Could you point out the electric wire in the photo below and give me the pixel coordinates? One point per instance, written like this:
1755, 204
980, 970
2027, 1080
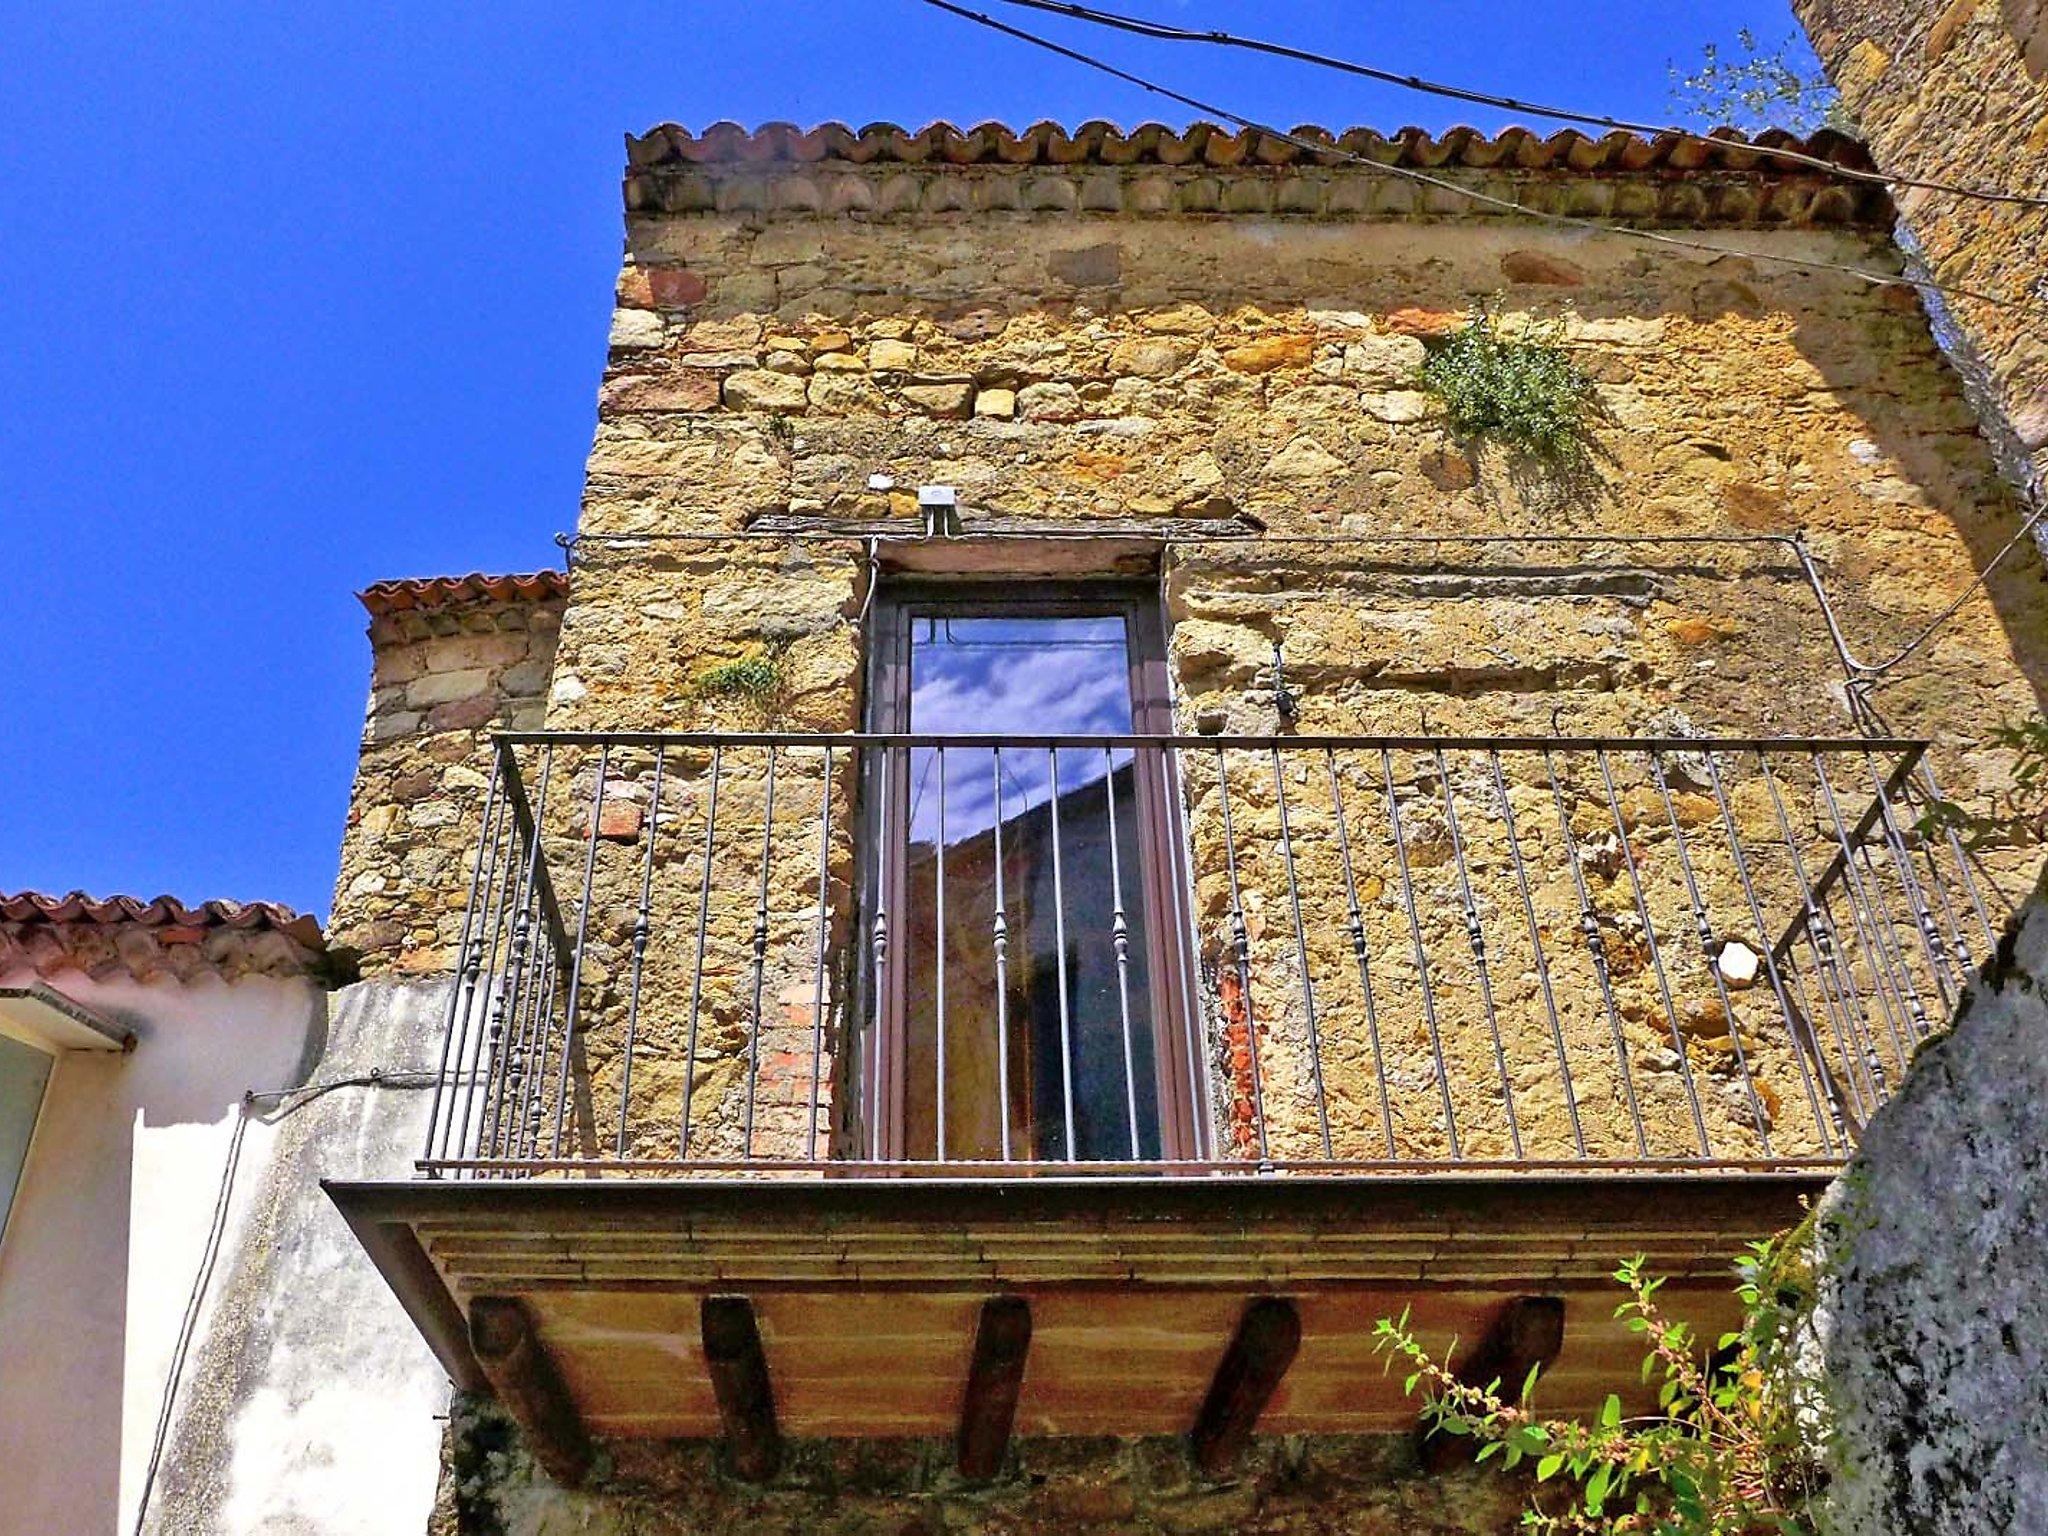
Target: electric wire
292, 1100
1326, 151
1166, 32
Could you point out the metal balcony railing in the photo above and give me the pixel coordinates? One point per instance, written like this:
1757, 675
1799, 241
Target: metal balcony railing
807, 954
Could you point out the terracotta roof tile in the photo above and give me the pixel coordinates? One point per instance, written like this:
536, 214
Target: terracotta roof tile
389, 597
1207, 144
49, 934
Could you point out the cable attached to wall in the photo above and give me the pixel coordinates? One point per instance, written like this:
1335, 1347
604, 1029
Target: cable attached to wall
292, 1101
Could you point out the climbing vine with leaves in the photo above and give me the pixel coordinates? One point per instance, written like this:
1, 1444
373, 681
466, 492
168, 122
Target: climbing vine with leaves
1733, 1448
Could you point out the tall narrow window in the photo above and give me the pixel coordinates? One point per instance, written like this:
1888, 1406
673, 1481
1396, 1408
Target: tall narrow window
1034, 1008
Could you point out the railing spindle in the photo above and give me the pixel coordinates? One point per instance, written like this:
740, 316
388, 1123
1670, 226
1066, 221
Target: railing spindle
697, 969
1514, 841
1059, 928
760, 957
642, 933
1475, 933
1240, 944
1354, 924
1120, 943
1429, 1019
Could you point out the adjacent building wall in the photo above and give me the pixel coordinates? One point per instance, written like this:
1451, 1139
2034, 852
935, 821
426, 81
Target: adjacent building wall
1957, 92
168, 1242
452, 660
1930, 1298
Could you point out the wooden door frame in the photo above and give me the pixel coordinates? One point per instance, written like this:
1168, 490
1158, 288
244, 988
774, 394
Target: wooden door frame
1158, 838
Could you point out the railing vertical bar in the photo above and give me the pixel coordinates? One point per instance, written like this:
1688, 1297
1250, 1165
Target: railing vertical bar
1564, 1066
1475, 933
1710, 951
697, 968
818, 959
939, 971
604, 767
1354, 923
468, 963
1962, 859
1883, 919
642, 934
1177, 802
1308, 991
999, 940
1596, 950
1436, 1043
1931, 943
1897, 953
1909, 1009
1628, 862
1059, 926
1801, 1047
1240, 943
509, 1050
1120, 943
524, 1133
508, 1013
1956, 949
760, 955
533, 1063
496, 900
874, 1104
1820, 932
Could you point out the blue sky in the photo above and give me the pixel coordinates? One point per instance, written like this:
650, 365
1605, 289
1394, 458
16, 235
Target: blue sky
295, 298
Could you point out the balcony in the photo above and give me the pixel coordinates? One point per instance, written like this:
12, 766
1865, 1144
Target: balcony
796, 1070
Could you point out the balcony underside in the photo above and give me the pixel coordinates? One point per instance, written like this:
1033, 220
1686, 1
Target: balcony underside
868, 1292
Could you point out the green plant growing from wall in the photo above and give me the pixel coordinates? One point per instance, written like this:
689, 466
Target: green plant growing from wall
756, 683
1521, 391
2016, 817
1732, 1450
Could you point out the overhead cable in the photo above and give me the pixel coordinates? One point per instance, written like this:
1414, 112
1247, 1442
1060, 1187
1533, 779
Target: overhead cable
1506, 204
1165, 32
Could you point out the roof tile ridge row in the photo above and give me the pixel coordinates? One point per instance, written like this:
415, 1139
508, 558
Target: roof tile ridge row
1212, 146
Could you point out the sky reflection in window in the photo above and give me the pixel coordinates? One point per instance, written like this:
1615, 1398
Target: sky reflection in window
1042, 676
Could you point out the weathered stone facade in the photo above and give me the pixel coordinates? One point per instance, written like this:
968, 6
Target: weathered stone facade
1347, 1484
453, 660
1195, 378
1958, 93
1214, 368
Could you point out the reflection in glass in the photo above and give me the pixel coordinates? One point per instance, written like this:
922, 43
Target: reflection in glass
1051, 1019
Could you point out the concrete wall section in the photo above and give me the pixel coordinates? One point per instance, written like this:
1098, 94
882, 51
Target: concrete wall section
1932, 1306
168, 1234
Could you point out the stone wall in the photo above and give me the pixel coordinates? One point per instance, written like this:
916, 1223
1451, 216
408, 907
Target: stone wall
452, 661
1930, 1298
1201, 379
1958, 93
1180, 380
1360, 1485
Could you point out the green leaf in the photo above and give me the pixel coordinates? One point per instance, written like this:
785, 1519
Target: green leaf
1546, 1469
1596, 1487
1610, 1412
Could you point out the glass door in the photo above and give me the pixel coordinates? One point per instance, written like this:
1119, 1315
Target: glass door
1030, 1002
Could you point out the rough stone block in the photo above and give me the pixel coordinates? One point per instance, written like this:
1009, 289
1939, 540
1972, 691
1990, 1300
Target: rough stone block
442, 687
758, 389
635, 330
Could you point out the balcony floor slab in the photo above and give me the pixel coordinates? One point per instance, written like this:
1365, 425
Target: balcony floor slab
867, 1291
